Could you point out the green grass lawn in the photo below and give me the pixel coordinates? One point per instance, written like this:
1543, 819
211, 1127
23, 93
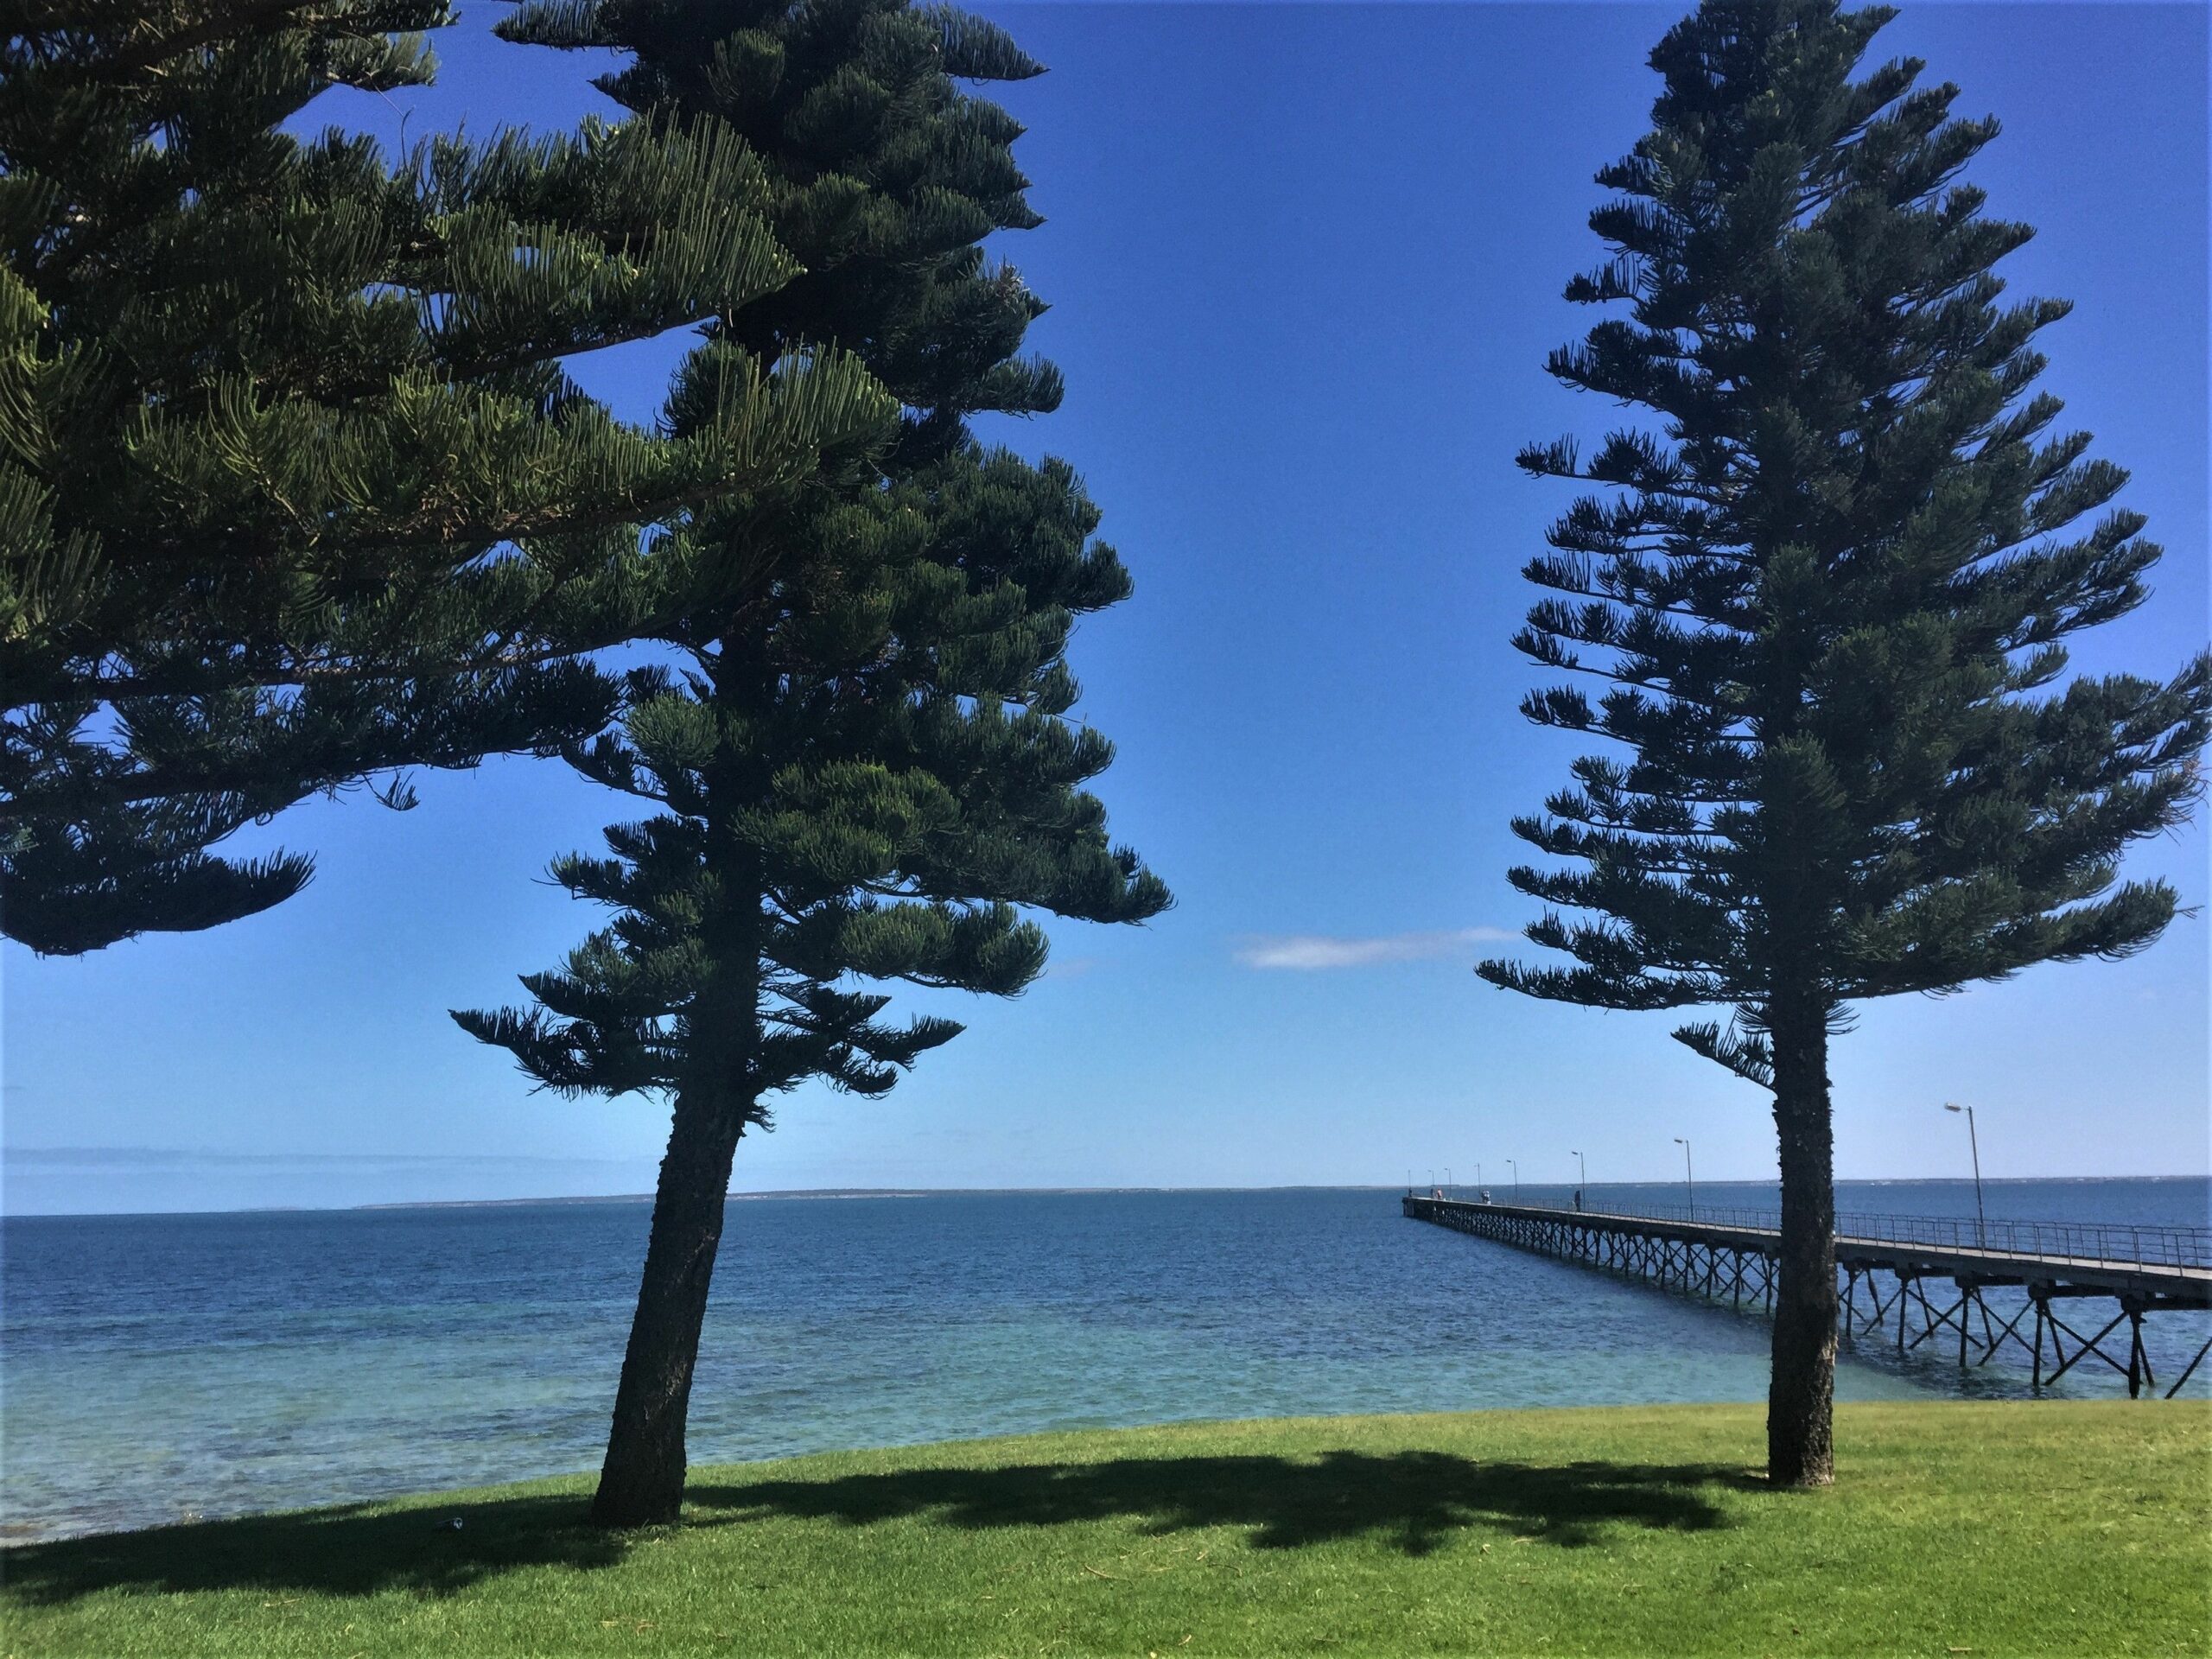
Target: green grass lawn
1954, 1529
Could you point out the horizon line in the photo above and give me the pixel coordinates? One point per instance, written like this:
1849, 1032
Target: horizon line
855, 1192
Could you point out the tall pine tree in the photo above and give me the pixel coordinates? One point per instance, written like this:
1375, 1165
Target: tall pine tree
293, 487
860, 766
1829, 588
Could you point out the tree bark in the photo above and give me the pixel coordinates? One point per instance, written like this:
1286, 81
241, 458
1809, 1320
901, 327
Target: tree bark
1800, 1393
641, 1482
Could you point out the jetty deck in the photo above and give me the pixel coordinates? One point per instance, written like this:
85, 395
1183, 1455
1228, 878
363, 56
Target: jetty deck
1885, 1265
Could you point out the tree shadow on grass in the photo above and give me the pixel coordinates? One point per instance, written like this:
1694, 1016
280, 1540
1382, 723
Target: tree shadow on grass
1415, 1500
345, 1551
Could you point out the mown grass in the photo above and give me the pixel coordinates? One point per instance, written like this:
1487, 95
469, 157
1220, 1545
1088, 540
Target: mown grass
1954, 1529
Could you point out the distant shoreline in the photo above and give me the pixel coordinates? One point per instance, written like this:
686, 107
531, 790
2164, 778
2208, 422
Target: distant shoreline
1295, 1187
814, 1193
850, 1192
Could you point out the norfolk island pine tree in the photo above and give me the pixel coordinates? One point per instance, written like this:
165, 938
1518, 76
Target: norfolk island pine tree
1829, 592
862, 759
294, 489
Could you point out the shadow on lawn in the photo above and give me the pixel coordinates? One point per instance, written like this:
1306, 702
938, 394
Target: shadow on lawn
337, 1552
1415, 1499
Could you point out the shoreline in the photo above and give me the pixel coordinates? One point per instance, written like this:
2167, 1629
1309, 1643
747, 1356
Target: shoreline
14, 1535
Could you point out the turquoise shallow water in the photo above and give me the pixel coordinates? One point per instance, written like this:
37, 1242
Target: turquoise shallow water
160, 1366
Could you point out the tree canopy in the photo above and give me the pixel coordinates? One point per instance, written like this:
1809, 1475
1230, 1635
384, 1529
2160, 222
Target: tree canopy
294, 487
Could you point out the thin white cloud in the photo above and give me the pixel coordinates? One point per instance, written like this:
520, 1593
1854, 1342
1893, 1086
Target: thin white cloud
1311, 952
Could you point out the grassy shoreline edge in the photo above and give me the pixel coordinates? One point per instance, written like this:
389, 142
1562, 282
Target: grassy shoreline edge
1957, 1527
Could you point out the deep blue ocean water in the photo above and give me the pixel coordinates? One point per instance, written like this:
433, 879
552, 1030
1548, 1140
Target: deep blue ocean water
158, 1367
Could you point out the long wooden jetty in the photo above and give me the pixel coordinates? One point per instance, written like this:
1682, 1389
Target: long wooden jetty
1885, 1265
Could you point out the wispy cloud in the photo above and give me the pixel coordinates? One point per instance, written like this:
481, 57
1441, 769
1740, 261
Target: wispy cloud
1310, 952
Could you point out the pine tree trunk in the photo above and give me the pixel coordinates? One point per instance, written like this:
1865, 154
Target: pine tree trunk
641, 1482
1800, 1394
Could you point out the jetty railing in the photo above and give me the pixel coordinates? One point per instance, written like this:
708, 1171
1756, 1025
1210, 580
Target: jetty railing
2115, 1242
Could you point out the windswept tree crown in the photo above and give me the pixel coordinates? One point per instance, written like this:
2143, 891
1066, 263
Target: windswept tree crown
860, 755
293, 487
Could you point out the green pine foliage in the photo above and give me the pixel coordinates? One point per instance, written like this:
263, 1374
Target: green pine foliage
859, 759
869, 780
884, 177
863, 758
1827, 587
294, 489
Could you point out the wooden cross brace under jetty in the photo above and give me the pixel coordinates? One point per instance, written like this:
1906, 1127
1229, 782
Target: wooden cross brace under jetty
1885, 1265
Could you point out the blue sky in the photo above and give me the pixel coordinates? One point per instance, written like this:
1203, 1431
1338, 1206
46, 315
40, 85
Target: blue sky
1305, 264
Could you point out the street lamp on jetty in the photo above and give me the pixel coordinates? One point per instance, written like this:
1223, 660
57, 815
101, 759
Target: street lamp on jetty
1981, 1222
1516, 1168
1582, 1178
1689, 1175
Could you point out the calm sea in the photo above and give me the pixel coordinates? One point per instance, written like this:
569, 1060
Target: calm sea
158, 1367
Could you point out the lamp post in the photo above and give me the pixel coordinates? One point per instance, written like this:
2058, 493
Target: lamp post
1516, 1168
1689, 1175
1447, 1180
1973, 1142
